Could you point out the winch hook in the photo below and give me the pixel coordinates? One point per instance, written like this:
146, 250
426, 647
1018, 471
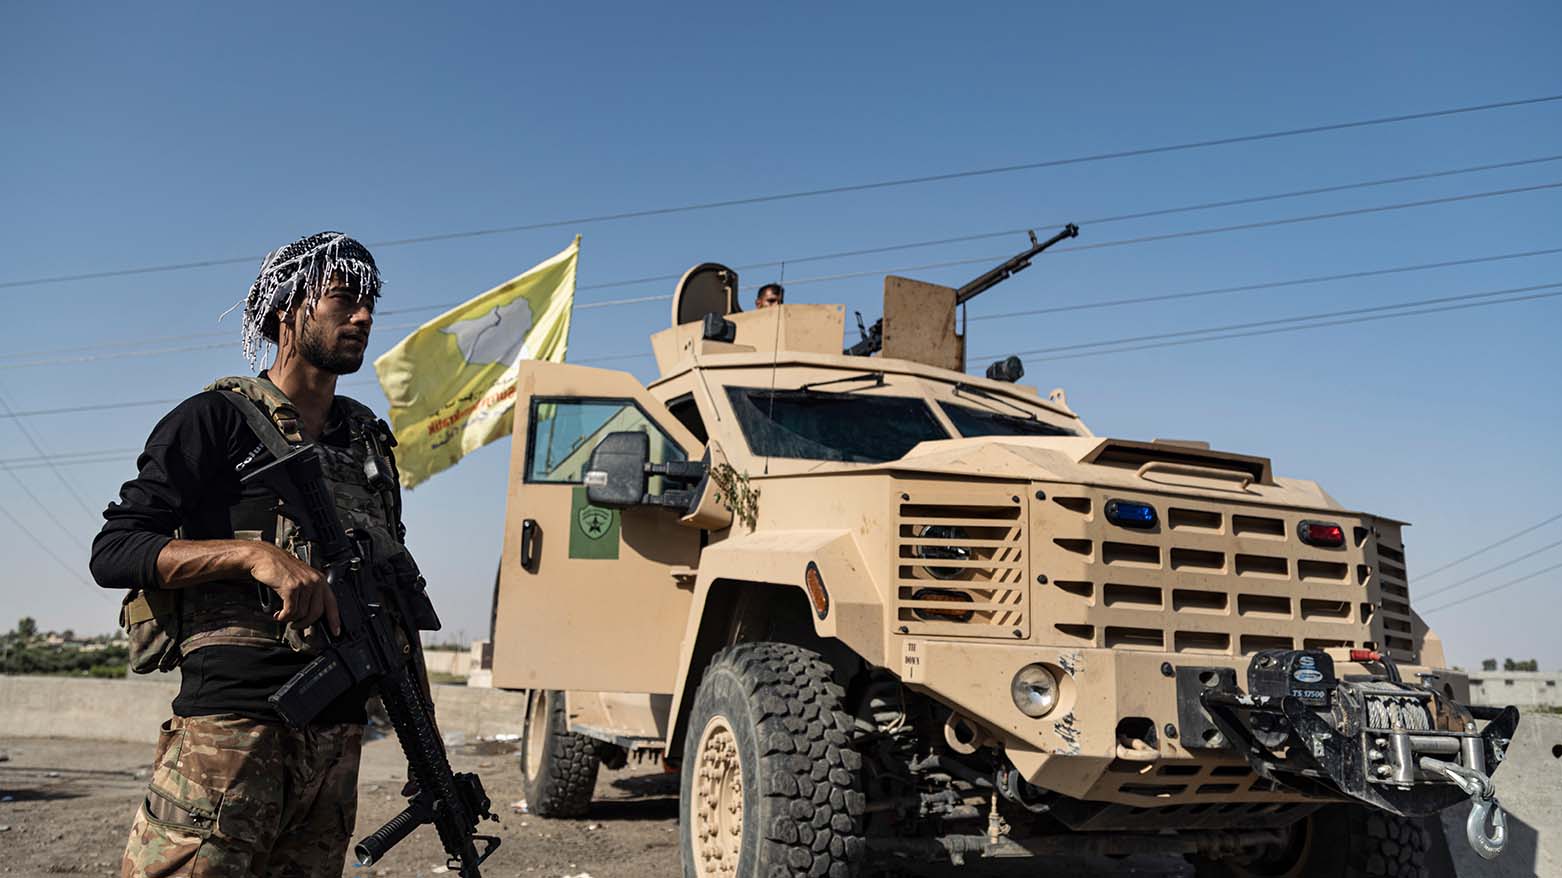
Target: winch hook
1487, 826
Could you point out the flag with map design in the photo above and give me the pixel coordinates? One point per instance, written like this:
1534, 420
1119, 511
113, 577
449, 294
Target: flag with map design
451, 383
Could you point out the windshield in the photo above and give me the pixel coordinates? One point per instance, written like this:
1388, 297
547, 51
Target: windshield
977, 422
815, 425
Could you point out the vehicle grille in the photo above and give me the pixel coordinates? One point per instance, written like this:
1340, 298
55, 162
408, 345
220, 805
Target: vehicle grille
1213, 579
961, 562
1394, 588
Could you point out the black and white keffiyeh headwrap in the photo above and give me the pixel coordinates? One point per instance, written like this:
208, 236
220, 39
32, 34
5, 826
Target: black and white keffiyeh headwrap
297, 274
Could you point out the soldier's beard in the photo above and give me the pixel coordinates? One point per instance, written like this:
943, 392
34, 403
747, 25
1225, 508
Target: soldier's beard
319, 349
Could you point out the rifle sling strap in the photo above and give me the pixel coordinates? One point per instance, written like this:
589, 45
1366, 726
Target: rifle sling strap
263, 427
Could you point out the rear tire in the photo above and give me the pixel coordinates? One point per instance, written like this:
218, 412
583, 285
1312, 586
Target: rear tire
1339, 841
558, 769
771, 786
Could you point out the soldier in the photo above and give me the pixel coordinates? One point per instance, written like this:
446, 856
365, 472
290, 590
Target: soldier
769, 294
218, 589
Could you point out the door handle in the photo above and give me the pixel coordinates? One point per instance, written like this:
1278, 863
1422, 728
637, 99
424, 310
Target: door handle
530, 536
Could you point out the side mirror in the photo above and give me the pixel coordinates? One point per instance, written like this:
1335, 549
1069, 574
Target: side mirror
616, 476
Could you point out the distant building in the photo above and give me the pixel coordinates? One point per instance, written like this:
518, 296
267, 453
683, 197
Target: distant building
1519, 688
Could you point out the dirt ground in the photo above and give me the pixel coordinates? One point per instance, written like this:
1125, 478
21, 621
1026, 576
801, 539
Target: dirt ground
66, 805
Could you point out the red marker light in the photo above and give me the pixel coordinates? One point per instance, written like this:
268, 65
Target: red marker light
1364, 655
1321, 533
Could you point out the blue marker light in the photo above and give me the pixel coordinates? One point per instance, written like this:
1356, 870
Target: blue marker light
1126, 513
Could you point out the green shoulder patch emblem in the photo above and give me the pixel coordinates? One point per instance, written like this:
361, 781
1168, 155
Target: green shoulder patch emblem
593, 531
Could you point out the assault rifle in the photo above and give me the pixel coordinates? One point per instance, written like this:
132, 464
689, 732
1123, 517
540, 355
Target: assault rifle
377, 648
873, 337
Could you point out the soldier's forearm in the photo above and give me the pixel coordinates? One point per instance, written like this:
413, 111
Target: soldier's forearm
183, 563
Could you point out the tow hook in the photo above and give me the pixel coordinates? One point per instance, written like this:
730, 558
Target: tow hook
1487, 840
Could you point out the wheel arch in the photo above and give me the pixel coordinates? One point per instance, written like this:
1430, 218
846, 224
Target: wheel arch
744, 611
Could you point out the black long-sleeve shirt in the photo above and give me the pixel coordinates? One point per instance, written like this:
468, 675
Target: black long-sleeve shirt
189, 478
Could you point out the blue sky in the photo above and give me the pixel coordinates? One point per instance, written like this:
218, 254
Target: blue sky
145, 136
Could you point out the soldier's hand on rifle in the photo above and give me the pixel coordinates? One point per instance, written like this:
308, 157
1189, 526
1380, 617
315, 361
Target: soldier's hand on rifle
304, 592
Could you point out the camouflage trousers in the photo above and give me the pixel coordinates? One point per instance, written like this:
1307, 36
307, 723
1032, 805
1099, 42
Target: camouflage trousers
231, 796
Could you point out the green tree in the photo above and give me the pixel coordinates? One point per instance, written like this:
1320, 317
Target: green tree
27, 628
1488, 664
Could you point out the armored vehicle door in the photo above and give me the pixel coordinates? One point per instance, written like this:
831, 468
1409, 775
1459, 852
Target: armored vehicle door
589, 598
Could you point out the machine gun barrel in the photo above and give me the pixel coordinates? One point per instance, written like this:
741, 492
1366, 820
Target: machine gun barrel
1012, 267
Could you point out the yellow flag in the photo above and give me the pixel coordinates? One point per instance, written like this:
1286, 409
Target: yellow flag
451, 383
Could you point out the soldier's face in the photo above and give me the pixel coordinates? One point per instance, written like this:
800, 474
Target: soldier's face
336, 335
767, 298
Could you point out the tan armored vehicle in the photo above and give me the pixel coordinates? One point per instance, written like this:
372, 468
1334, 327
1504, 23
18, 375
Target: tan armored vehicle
875, 611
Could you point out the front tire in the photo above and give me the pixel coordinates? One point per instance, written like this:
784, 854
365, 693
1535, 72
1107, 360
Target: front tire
771, 786
1339, 841
558, 769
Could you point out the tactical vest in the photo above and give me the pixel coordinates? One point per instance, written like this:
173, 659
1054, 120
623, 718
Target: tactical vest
166, 625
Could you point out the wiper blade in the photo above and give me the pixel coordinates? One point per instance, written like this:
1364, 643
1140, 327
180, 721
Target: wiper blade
993, 397
876, 377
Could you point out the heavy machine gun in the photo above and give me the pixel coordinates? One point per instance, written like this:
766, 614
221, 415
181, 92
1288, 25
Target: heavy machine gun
873, 337
377, 648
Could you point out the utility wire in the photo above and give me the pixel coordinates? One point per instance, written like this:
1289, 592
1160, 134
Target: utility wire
912, 245
90, 408
1158, 297
837, 190
5, 408
1193, 233
43, 507
22, 529
1484, 549
1306, 326
1267, 285
1510, 583
66, 455
89, 358
1503, 566
960, 239
1279, 321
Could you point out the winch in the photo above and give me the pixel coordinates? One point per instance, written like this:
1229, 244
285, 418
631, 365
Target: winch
1400, 746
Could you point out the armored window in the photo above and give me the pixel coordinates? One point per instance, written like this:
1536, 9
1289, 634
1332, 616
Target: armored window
976, 422
816, 425
687, 412
563, 431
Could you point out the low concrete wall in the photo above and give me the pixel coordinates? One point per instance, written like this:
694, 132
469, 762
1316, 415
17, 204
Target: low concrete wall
132, 710
77, 707
1519, 688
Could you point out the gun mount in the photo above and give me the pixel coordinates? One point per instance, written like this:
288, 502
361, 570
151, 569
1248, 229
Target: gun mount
919, 318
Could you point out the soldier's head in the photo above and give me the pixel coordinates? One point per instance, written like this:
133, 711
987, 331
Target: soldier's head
314, 298
769, 294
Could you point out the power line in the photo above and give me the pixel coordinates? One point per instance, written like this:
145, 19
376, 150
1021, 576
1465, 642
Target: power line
1267, 285
1279, 321
836, 190
1484, 549
89, 408
66, 455
911, 245
80, 461
22, 528
1490, 570
1215, 230
89, 358
5, 408
1510, 583
1096, 221
48, 513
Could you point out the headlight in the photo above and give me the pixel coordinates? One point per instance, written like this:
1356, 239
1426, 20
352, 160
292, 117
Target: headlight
943, 553
1035, 690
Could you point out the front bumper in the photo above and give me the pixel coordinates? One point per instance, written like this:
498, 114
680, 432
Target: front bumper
1079, 749
1383, 742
